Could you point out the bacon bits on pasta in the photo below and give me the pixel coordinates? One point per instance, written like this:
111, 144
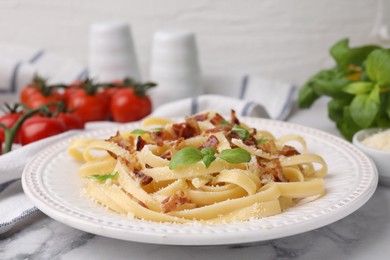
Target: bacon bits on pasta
205, 168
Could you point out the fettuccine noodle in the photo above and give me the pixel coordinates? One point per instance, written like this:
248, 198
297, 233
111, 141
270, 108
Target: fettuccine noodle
203, 169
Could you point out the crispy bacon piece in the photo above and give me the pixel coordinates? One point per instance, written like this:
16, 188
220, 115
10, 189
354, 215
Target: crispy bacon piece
234, 120
250, 141
217, 119
173, 201
142, 177
188, 129
200, 117
140, 143
221, 128
272, 167
212, 142
269, 147
120, 141
288, 150
167, 155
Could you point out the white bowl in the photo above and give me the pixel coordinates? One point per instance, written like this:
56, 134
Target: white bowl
381, 158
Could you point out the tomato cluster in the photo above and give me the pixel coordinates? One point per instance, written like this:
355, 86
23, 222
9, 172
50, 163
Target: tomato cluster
24, 126
50, 110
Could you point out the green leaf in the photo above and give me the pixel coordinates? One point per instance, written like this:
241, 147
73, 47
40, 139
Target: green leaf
307, 93
241, 132
378, 66
157, 129
224, 123
345, 56
383, 121
365, 107
208, 156
104, 177
138, 132
208, 159
357, 88
388, 106
208, 151
262, 140
234, 156
336, 108
307, 96
331, 87
185, 156
347, 126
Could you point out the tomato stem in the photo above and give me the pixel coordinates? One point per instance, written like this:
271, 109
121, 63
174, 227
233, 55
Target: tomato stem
11, 132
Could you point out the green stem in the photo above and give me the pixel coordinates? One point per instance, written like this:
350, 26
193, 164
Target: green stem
11, 132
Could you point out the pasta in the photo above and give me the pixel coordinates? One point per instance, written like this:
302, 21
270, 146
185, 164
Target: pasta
205, 168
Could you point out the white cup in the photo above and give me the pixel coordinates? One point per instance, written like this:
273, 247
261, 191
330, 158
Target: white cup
111, 52
174, 66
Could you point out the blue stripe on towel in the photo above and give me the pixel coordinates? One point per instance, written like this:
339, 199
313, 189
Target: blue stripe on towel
4, 185
22, 216
14, 77
245, 110
244, 86
83, 74
194, 105
36, 56
286, 107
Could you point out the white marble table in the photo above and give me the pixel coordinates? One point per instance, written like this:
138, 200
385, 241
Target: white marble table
365, 234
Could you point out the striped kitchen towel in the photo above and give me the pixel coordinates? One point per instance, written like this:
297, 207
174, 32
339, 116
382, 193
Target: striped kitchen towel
248, 95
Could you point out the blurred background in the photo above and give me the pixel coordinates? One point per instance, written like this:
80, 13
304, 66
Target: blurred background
286, 40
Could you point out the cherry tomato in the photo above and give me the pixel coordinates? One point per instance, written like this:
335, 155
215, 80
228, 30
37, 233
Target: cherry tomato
94, 107
126, 106
9, 120
38, 99
71, 121
27, 92
71, 89
38, 127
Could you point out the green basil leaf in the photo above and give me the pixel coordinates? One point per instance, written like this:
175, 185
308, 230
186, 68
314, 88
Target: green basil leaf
347, 126
336, 108
331, 87
208, 159
383, 121
208, 151
185, 156
241, 132
103, 177
224, 123
357, 88
262, 140
345, 56
364, 109
378, 66
157, 129
307, 95
234, 156
388, 105
138, 132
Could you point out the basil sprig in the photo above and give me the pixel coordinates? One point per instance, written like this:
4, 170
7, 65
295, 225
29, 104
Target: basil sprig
191, 155
241, 132
103, 177
139, 132
359, 87
263, 140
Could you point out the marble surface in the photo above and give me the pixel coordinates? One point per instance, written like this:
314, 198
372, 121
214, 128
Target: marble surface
362, 235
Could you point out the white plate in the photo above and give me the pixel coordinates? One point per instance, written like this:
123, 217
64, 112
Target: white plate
51, 182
